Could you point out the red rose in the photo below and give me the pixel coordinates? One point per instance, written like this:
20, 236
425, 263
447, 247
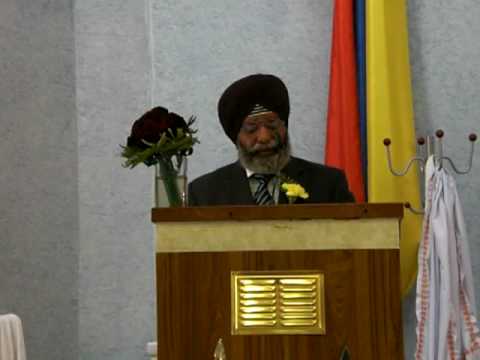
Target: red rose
152, 125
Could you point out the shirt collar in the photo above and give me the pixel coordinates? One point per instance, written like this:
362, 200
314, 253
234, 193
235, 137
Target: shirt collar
250, 173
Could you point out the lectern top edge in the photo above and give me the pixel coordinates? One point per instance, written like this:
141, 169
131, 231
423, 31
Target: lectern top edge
279, 212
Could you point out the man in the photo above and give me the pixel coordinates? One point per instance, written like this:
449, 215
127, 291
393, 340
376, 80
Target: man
254, 114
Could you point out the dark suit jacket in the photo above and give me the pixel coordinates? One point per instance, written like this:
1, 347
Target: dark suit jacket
229, 185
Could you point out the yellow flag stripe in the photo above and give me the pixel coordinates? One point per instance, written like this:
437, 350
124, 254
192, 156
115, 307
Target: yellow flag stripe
390, 115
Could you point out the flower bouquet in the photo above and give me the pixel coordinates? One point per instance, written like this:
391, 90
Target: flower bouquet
163, 139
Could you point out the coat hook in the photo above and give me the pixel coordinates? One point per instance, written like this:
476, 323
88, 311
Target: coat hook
434, 148
387, 142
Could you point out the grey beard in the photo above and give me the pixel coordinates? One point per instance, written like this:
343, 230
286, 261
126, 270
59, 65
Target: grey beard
271, 164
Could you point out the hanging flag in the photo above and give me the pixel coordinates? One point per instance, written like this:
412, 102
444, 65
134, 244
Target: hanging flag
343, 149
390, 115
445, 306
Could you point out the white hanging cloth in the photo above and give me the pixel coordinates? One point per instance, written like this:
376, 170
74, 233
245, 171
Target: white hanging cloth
445, 304
12, 345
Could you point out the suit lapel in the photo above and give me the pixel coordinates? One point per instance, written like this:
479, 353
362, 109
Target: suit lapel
293, 171
238, 186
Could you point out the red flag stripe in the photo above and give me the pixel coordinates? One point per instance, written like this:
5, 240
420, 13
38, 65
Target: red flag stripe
343, 149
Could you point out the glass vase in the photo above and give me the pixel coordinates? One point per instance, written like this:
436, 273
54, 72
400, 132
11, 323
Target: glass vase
171, 182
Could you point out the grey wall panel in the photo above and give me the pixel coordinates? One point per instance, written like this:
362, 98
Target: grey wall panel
202, 47
116, 253
38, 162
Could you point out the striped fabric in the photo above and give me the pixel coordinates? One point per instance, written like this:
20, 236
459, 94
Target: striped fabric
447, 328
262, 196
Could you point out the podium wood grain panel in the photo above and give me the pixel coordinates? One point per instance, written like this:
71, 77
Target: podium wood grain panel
362, 298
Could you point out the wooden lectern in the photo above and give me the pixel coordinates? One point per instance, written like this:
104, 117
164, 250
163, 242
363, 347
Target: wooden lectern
303, 282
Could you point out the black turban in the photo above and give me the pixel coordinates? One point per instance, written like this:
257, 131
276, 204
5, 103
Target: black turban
238, 100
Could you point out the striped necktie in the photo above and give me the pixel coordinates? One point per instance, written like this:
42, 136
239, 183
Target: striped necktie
262, 196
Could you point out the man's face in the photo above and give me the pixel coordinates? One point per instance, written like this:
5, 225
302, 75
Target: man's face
263, 143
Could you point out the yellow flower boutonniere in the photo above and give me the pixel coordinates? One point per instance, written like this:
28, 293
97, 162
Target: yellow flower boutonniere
294, 190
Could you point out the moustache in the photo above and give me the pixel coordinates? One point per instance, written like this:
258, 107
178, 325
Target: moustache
259, 148
275, 146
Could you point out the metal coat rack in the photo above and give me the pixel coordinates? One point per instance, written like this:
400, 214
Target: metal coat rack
431, 146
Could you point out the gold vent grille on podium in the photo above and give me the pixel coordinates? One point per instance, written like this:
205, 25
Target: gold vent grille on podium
277, 303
